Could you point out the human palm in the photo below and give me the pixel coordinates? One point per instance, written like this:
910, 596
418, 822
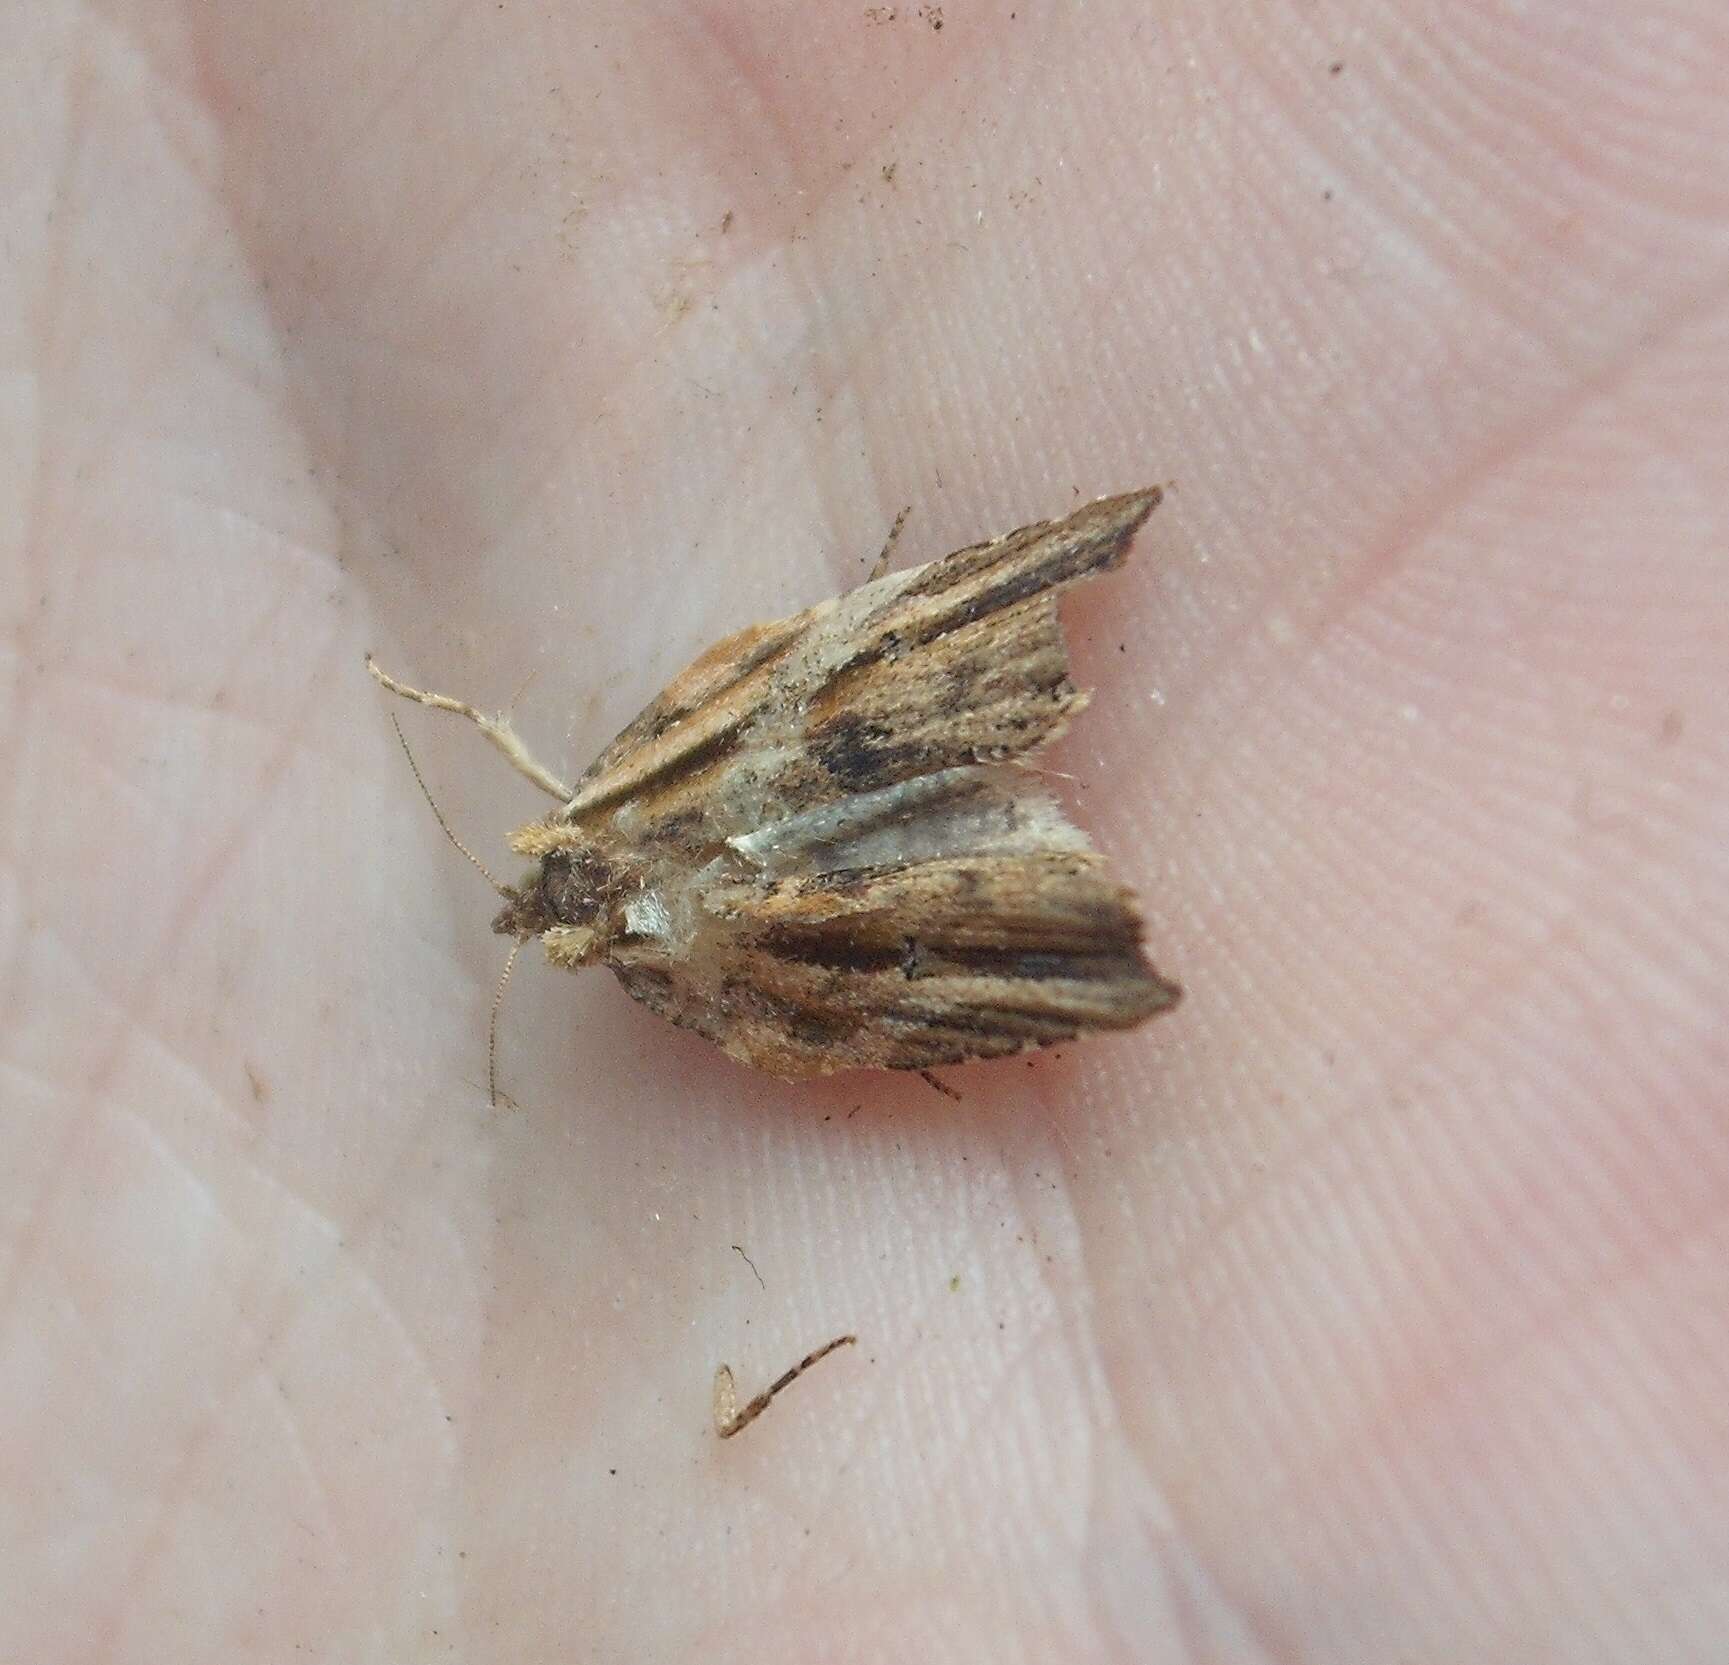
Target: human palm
1368, 1307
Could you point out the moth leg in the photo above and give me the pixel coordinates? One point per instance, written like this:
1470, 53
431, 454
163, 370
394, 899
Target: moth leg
496, 729
882, 561
730, 1417
941, 1086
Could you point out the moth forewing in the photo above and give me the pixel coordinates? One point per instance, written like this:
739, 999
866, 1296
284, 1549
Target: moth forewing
815, 846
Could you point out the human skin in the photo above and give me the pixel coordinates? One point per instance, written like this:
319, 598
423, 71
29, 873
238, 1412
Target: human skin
1369, 1307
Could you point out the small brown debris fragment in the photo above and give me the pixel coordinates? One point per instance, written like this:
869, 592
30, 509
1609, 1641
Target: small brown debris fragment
738, 1250
729, 1418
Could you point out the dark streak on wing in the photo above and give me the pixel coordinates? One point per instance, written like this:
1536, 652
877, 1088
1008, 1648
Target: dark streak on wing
919, 957
990, 576
713, 676
861, 755
960, 662
703, 715
1018, 1024
830, 950
966, 664
1021, 965
927, 963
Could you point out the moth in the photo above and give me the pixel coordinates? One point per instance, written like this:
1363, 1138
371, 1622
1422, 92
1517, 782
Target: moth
823, 845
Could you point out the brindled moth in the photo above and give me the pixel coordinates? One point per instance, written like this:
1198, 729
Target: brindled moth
821, 845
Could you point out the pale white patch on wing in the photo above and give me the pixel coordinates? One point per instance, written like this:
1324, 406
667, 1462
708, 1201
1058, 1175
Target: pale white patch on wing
955, 812
645, 915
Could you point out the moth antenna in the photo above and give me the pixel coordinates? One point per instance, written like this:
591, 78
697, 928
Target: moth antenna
444, 825
496, 729
729, 1417
492, 1025
882, 561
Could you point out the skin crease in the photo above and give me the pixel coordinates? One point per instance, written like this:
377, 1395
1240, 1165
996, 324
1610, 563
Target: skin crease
1368, 1307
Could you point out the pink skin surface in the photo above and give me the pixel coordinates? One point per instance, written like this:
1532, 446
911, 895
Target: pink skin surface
1369, 1308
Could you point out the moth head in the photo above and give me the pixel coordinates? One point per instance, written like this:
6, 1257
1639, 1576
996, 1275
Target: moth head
562, 892
524, 912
